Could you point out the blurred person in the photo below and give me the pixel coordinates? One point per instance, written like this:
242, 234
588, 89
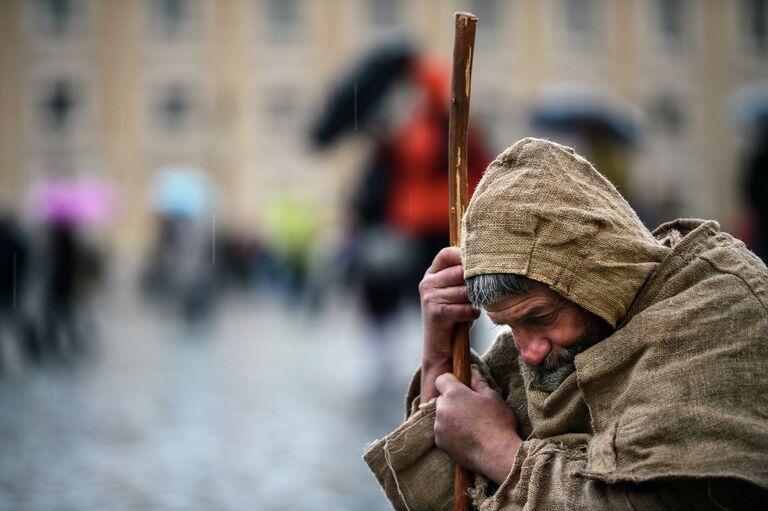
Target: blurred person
240, 254
631, 376
156, 275
382, 265
756, 187
72, 266
73, 271
180, 265
398, 98
15, 319
193, 276
292, 230
178, 270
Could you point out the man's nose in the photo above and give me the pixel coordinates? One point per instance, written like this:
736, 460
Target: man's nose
533, 348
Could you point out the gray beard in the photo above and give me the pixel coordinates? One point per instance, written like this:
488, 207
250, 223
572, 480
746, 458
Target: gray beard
549, 378
554, 369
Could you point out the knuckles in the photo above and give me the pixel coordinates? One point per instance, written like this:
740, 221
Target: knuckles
444, 418
425, 285
442, 380
448, 255
437, 313
449, 392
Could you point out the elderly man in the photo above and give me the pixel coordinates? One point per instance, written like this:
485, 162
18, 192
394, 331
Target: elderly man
633, 374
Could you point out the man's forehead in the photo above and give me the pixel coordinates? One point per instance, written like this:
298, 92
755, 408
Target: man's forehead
539, 296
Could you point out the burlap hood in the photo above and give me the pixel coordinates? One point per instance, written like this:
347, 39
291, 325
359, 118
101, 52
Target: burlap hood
675, 395
544, 212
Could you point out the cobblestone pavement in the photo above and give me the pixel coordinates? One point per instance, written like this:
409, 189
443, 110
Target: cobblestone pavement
265, 411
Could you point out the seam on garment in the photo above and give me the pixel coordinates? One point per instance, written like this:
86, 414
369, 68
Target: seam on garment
530, 252
741, 278
388, 461
388, 449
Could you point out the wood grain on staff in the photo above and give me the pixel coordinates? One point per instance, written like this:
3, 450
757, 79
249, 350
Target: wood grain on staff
458, 130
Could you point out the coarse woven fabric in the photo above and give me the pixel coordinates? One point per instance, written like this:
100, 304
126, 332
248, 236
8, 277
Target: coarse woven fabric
666, 413
544, 212
669, 412
679, 389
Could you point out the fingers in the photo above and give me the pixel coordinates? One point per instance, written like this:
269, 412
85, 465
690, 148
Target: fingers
451, 294
443, 283
438, 290
449, 256
445, 381
479, 384
447, 277
452, 313
448, 385
444, 303
464, 313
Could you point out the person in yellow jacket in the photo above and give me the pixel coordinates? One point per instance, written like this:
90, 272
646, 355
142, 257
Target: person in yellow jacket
633, 372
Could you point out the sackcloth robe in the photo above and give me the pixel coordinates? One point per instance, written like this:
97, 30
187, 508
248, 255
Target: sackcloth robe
668, 412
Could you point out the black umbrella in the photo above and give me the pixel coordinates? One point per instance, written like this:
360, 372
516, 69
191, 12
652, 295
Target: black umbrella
360, 92
748, 106
579, 113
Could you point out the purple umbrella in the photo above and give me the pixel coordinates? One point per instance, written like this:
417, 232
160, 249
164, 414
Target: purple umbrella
74, 201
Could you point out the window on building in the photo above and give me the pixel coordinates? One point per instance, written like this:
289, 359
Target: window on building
281, 107
668, 115
754, 25
174, 19
59, 18
488, 13
384, 15
59, 105
284, 19
671, 20
173, 108
172, 15
580, 18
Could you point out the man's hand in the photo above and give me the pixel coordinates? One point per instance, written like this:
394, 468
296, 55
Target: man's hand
443, 304
475, 427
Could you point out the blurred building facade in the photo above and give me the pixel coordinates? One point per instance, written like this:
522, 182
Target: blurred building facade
120, 89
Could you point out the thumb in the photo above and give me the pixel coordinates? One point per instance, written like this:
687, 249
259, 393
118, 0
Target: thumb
479, 384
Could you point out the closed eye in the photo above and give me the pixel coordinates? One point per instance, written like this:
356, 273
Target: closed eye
542, 319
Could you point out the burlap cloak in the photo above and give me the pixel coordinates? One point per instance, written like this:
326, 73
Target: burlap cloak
668, 412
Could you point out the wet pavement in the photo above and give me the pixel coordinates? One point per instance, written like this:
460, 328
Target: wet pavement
265, 410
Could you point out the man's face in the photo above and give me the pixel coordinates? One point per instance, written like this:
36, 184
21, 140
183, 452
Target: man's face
549, 331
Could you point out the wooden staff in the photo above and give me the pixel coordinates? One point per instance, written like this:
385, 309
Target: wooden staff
458, 129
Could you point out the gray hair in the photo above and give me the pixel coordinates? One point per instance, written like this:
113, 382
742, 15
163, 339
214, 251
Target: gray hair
491, 288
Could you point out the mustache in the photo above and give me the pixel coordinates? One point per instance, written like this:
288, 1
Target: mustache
556, 367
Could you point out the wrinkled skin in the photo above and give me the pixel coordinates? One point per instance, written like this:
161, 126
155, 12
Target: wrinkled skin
474, 426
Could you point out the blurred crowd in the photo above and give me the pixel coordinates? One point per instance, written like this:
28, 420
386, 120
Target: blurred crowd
55, 261
394, 101
47, 276
250, 174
